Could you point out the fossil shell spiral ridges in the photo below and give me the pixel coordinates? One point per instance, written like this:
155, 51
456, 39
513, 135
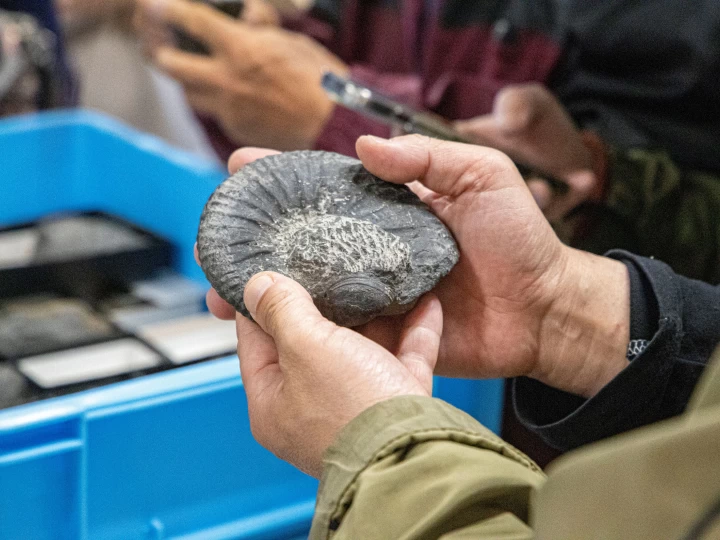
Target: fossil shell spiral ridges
362, 247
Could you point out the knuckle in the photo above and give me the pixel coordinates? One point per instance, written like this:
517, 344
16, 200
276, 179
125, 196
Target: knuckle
204, 15
274, 305
493, 161
529, 97
529, 91
490, 165
326, 334
312, 337
421, 140
534, 88
302, 41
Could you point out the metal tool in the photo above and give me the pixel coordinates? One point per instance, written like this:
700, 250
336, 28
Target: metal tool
369, 102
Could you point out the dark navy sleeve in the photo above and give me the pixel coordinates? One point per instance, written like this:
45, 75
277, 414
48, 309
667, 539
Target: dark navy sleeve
656, 385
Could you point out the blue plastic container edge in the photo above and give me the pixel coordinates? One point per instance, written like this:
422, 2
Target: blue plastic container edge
82, 117
291, 520
204, 377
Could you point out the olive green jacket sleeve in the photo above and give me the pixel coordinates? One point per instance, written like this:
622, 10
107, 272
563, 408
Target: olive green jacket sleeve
654, 208
417, 468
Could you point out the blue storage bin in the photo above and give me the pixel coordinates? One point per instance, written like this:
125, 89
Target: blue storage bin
164, 456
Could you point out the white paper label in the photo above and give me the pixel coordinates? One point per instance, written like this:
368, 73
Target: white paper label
89, 363
192, 338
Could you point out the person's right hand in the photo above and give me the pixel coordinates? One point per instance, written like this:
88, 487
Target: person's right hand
519, 302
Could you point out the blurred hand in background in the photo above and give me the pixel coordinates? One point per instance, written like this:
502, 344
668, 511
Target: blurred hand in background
529, 124
260, 82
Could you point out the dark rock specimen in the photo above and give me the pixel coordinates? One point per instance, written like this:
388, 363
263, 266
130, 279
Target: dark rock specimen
361, 247
40, 324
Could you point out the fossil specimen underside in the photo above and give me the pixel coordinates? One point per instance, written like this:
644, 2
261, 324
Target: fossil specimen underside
361, 247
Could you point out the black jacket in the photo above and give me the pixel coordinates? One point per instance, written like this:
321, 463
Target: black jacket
681, 319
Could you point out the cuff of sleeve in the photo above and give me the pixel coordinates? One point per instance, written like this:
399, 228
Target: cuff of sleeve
384, 429
343, 129
632, 399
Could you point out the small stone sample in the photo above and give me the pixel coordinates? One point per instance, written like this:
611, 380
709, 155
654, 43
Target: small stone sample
39, 324
84, 236
361, 247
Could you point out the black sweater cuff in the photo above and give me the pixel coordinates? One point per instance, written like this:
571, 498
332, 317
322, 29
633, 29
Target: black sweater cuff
656, 385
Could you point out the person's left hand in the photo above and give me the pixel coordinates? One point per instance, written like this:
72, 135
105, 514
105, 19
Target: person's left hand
306, 378
261, 82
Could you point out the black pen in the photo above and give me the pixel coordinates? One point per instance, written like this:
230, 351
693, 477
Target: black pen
361, 99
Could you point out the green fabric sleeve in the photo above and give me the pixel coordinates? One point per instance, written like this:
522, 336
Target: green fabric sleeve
656, 209
417, 468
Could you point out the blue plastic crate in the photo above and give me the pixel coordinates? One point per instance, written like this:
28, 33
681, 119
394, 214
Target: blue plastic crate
168, 455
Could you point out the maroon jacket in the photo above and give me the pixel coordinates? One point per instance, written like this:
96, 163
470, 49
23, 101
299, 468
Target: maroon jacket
641, 73
406, 50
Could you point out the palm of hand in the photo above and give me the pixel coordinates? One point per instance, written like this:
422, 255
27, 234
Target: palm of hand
495, 290
492, 300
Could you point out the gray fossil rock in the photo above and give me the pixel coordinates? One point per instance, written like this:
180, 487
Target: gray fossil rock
360, 246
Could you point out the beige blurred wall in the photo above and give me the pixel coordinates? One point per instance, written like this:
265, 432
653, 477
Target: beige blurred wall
116, 79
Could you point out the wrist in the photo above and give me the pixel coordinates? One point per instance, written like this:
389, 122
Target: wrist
584, 335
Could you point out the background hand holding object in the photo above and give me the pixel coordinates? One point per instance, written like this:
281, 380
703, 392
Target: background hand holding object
531, 125
261, 82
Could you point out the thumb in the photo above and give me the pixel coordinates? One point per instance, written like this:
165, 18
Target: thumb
282, 308
446, 168
518, 108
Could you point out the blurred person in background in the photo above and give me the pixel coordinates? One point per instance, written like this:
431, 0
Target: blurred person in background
624, 105
115, 78
33, 73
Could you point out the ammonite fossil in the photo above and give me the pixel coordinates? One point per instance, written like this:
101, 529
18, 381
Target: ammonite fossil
361, 247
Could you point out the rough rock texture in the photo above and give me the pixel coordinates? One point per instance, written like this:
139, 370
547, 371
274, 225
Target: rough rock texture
361, 247
40, 324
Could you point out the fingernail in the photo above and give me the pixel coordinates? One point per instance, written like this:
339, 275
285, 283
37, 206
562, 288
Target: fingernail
375, 139
255, 290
